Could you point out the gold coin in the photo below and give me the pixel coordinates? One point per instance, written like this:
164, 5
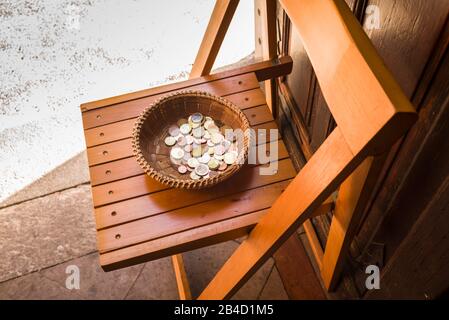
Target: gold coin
181, 121
197, 152
213, 164
194, 176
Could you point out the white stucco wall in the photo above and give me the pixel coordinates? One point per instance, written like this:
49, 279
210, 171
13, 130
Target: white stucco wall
55, 55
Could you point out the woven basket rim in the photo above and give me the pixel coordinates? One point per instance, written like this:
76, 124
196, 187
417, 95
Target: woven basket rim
188, 183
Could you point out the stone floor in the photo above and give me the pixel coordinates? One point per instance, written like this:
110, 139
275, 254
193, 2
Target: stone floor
152, 280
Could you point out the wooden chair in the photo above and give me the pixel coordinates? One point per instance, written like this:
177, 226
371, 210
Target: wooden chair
140, 220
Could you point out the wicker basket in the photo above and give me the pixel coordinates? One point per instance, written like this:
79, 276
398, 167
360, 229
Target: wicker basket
152, 126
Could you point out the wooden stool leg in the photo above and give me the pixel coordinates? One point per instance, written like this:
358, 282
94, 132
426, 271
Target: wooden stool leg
181, 277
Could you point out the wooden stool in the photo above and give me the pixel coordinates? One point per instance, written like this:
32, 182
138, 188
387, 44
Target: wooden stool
139, 219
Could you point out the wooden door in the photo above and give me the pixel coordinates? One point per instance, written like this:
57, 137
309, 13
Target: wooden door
409, 194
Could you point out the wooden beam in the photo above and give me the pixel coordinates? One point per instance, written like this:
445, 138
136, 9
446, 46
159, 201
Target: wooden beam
346, 217
314, 242
181, 277
266, 42
306, 149
213, 38
325, 207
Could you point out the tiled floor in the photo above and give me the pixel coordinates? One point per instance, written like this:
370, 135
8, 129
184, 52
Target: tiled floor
152, 280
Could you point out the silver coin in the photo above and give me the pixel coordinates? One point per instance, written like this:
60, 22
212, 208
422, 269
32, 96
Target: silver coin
220, 158
229, 134
187, 156
206, 135
177, 153
189, 139
208, 124
170, 141
173, 131
204, 158
198, 132
185, 128
188, 148
216, 137
181, 141
230, 158
202, 169
210, 143
213, 129
196, 117
182, 169
192, 162
219, 150
176, 162
226, 144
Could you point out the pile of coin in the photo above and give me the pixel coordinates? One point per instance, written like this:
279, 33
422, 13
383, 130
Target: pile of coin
201, 146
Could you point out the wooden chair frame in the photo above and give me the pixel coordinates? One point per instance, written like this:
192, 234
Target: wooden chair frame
371, 113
